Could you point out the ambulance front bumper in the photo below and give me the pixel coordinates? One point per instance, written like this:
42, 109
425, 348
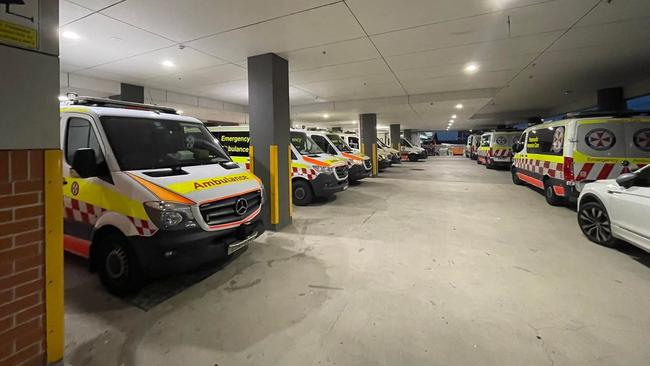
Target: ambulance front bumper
326, 185
173, 252
357, 172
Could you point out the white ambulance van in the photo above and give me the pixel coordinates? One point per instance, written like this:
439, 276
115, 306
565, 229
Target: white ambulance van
313, 172
495, 148
561, 157
392, 154
473, 143
383, 150
412, 153
359, 165
148, 192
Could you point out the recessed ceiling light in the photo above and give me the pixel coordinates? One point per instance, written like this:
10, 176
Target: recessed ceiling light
326, 116
451, 121
168, 63
459, 106
453, 116
70, 35
471, 68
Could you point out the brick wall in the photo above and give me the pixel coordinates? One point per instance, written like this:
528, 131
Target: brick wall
22, 269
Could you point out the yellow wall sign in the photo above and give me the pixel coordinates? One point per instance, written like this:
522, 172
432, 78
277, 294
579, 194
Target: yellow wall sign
18, 35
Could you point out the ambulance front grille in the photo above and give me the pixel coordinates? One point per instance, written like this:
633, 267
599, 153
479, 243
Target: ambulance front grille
341, 172
223, 211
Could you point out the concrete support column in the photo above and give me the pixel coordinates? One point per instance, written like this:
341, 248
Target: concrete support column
268, 108
368, 135
409, 136
395, 135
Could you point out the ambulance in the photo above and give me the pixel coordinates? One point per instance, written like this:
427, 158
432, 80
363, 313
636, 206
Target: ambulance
411, 152
495, 148
473, 143
313, 172
359, 165
383, 150
561, 157
148, 192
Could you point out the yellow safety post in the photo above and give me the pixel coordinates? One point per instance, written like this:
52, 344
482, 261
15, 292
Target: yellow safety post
274, 194
375, 166
251, 159
290, 184
54, 255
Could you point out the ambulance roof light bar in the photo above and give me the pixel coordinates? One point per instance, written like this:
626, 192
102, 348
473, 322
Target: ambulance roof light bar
110, 103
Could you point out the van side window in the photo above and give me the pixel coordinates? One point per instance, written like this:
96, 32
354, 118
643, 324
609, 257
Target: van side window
546, 141
353, 142
79, 135
323, 144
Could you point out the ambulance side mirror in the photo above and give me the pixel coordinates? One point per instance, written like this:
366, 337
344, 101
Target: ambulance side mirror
84, 163
626, 180
517, 147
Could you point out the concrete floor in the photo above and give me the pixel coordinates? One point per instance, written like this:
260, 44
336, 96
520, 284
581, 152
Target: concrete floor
435, 263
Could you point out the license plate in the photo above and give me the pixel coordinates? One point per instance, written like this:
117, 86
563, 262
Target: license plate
238, 245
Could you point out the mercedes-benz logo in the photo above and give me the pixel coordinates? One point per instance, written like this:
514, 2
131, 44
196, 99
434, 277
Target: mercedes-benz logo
241, 206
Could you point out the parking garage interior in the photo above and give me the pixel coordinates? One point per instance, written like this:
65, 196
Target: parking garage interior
309, 182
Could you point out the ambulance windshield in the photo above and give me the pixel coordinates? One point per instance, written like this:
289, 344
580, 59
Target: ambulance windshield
141, 143
339, 143
304, 144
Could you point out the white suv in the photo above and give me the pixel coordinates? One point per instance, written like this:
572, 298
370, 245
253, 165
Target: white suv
609, 210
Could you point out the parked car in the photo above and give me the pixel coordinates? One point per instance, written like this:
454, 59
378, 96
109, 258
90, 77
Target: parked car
612, 210
148, 192
561, 157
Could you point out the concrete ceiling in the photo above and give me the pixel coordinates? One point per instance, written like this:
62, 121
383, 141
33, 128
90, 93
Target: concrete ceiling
404, 60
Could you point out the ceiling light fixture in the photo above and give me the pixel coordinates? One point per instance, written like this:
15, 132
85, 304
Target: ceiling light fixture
168, 63
179, 111
70, 35
471, 68
326, 116
459, 106
453, 116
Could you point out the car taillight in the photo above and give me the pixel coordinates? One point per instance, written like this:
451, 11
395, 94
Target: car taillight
568, 170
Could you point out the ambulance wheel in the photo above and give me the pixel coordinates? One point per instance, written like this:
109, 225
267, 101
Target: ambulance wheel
595, 224
117, 265
515, 178
302, 194
413, 158
552, 198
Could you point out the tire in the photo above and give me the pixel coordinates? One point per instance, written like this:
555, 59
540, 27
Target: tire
117, 265
515, 178
551, 198
302, 193
413, 158
594, 222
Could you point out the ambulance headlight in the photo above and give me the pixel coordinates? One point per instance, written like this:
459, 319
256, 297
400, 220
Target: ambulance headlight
358, 162
170, 216
324, 169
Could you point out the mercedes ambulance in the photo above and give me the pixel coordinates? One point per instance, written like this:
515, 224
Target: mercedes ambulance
561, 157
313, 172
359, 165
148, 192
383, 150
473, 143
391, 154
411, 152
495, 148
